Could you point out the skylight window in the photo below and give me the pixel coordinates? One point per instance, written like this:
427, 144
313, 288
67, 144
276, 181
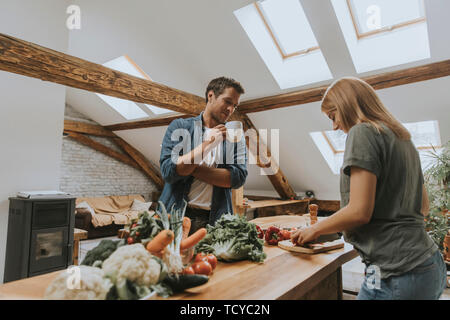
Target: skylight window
424, 135
283, 37
372, 17
336, 140
383, 33
129, 109
333, 158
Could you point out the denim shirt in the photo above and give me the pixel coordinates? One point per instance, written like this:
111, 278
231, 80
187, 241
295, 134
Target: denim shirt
181, 137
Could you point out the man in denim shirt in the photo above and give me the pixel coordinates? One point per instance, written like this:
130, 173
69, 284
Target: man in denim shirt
198, 164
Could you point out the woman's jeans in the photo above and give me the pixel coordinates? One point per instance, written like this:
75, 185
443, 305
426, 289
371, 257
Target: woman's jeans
425, 282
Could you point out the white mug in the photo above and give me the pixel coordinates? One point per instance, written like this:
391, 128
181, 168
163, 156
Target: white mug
235, 131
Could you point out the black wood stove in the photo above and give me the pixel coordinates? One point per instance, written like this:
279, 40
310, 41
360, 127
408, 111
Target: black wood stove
40, 236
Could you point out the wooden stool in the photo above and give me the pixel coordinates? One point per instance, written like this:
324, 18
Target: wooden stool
78, 234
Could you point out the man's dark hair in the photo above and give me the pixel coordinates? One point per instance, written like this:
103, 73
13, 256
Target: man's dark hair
219, 85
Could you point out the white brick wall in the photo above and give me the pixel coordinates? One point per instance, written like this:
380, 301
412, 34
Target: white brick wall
86, 172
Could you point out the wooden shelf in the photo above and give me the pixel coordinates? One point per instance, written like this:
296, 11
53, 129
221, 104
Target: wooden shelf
271, 203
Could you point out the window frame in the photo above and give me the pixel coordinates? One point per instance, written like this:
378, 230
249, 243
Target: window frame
362, 35
284, 55
136, 66
327, 139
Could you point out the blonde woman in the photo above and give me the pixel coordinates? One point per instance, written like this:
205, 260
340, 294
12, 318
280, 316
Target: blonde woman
383, 200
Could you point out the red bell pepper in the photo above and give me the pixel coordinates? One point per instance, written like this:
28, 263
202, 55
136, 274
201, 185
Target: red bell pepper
260, 232
272, 236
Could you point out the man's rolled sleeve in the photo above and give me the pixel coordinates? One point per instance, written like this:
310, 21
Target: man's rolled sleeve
238, 175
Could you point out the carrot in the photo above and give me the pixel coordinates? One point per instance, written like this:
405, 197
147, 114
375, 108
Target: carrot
186, 227
158, 254
161, 241
193, 239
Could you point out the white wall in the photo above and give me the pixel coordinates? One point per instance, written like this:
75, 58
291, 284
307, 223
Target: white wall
31, 111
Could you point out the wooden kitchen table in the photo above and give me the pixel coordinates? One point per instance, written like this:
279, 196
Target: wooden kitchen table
283, 275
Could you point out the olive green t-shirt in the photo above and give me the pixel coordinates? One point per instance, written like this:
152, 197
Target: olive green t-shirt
395, 239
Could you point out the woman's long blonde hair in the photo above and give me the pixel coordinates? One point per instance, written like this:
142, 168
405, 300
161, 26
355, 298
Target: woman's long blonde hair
355, 101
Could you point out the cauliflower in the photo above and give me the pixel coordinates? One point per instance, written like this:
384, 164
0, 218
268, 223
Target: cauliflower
91, 286
133, 263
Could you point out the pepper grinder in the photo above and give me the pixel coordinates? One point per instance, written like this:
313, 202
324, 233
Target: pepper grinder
313, 208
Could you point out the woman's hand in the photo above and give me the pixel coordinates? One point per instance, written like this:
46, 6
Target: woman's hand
304, 235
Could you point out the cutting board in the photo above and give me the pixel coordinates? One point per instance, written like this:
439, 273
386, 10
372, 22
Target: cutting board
313, 248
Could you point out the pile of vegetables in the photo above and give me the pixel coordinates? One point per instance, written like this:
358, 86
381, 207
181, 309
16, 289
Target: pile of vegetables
233, 238
165, 235
126, 273
148, 260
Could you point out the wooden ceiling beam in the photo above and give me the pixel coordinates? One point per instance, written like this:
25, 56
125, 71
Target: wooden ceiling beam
26, 58
86, 128
155, 122
380, 81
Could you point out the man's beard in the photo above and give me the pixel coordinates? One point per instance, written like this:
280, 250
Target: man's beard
217, 119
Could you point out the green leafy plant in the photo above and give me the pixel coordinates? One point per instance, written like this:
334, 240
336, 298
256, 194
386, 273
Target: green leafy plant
437, 177
233, 238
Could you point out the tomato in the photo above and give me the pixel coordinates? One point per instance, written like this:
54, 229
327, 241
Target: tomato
188, 270
212, 260
200, 257
208, 257
130, 240
138, 233
202, 267
134, 225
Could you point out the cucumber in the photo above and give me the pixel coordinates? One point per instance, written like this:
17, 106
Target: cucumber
182, 282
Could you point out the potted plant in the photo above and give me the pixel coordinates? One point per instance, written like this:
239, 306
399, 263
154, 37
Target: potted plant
437, 178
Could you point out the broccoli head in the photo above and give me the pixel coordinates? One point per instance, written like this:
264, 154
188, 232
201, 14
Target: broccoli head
101, 252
